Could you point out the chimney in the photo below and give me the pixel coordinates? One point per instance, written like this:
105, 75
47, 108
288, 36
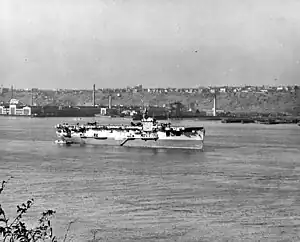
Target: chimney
215, 105
12, 91
31, 96
94, 95
109, 101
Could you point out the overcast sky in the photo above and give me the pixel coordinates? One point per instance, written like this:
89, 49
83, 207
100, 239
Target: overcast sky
157, 43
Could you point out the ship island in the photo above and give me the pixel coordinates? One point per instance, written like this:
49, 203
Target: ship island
148, 133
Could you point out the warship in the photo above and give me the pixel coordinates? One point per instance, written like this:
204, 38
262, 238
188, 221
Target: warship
146, 133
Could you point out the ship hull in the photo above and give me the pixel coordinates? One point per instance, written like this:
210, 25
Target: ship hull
160, 143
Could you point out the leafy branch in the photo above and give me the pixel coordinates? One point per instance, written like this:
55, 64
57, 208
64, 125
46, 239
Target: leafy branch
15, 230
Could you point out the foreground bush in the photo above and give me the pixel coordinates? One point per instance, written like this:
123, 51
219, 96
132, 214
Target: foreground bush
13, 230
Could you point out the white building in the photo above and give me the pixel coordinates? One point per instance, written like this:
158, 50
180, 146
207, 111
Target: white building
15, 108
103, 111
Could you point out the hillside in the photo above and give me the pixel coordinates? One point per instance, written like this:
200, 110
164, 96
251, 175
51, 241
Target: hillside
232, 102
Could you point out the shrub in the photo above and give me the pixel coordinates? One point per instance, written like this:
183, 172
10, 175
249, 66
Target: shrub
16, 230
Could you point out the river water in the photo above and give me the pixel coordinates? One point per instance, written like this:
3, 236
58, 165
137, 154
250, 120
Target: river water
243, 187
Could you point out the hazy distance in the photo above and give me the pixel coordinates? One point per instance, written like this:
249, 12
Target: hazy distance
157, 43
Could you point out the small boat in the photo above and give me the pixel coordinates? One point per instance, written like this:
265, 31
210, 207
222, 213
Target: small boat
267, 121
237, 120
63, 142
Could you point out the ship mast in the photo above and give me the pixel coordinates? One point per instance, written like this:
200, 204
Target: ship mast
145, 113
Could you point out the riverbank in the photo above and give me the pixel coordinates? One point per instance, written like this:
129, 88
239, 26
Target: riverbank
259, 120
229, 102
224, 120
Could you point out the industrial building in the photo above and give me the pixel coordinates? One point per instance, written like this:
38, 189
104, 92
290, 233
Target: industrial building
15, 108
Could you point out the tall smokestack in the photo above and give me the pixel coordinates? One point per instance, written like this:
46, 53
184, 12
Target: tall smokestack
109, 101
12, 91
94, 95
215, 105
31, 96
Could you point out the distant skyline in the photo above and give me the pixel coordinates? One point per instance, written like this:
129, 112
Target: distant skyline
157, 43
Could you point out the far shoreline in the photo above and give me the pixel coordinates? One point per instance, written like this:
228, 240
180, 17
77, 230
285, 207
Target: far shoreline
223, 119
